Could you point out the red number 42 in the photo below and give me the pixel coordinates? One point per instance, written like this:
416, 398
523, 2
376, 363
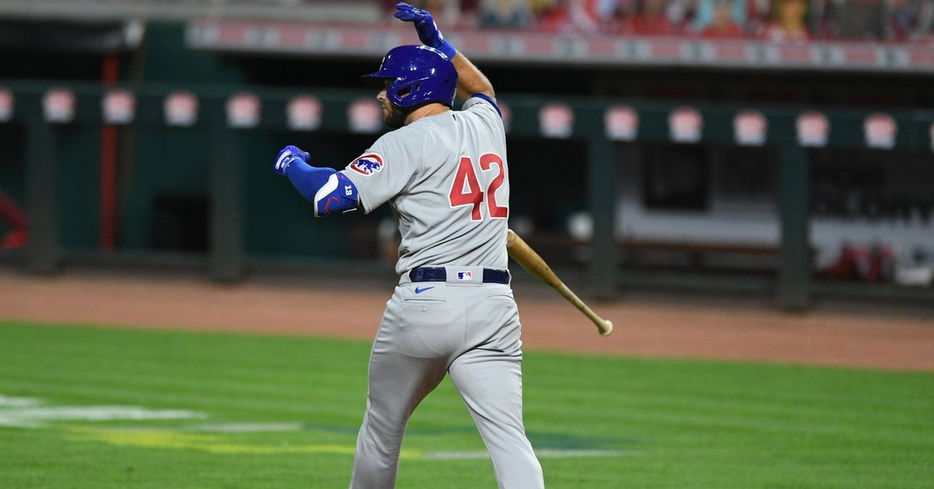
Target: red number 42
466, 189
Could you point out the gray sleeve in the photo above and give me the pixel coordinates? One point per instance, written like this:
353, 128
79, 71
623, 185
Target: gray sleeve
486, 108
385, 169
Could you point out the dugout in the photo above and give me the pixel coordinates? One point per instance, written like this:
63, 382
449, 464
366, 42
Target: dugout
750, 207
208, 171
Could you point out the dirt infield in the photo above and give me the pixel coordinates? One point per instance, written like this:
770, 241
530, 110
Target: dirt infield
644, 327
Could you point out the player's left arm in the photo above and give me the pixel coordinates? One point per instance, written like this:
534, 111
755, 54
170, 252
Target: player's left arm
470, 80
329, 190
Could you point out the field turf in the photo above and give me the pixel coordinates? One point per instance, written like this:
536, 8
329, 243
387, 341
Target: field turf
220, 411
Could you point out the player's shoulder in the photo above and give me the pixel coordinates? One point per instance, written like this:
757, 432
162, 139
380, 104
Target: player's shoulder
482, 101
404, 137
402, 147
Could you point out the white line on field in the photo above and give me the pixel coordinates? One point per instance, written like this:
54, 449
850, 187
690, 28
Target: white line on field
26, 412
32, 417
18, 401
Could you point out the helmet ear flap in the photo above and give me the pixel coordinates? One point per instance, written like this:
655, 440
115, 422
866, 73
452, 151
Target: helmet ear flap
398, 91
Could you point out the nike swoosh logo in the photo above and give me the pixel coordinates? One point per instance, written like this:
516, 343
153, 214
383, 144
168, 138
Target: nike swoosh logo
419, 290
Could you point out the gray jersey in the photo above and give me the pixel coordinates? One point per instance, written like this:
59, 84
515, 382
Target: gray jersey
447, 180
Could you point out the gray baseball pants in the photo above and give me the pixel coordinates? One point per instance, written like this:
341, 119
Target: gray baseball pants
470, 330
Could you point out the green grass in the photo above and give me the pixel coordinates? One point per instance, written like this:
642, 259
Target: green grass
676, 424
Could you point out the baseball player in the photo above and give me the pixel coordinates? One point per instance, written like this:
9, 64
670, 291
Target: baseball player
445, 175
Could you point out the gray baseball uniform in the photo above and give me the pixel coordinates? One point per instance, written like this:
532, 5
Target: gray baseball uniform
447, 181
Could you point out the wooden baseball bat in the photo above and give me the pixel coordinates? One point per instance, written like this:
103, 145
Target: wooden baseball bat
520, 251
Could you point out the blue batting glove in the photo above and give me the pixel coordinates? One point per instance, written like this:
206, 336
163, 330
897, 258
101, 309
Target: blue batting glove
426, 28
286, 156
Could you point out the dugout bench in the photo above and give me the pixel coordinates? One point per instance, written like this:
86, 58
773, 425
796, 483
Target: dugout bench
529, 116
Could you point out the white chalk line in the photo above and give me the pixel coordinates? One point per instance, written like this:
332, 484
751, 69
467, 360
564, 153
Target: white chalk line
27, 412
18, 402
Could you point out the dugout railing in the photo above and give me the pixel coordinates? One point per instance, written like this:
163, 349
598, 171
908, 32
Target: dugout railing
44, 113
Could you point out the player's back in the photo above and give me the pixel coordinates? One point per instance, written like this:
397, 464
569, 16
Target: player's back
454, 212
447, 179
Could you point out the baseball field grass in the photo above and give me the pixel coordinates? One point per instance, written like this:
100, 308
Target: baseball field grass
97, 408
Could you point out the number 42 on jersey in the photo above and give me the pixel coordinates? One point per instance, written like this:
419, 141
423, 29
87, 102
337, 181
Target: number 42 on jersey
467, 190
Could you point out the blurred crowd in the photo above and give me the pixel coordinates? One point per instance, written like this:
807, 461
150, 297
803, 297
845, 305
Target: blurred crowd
776, 20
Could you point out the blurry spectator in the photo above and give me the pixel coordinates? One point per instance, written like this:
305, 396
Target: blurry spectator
681, 13
602, 10
651, 20
445, 12
860, 19
503, 13
909, 20
584, 15
787, 21
902, 19
553, 16
775, 20
707, 11
569, 16
926, 20
538, 7
822, 19
589, 15
757, 14
724, 23
470, 6
621, 18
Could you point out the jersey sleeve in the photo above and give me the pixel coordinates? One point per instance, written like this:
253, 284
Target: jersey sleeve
384, 170
486, 107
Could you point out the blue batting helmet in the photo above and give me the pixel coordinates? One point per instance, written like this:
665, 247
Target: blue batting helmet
417, 74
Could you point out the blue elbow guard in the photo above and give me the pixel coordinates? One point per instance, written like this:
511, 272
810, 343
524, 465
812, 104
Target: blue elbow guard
338, 194
326, 188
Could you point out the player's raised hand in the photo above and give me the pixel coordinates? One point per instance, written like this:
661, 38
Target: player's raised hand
410, 13
426, 27
287, 155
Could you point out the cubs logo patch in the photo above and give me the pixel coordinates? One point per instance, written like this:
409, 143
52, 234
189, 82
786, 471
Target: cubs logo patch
367, 164
465, 275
